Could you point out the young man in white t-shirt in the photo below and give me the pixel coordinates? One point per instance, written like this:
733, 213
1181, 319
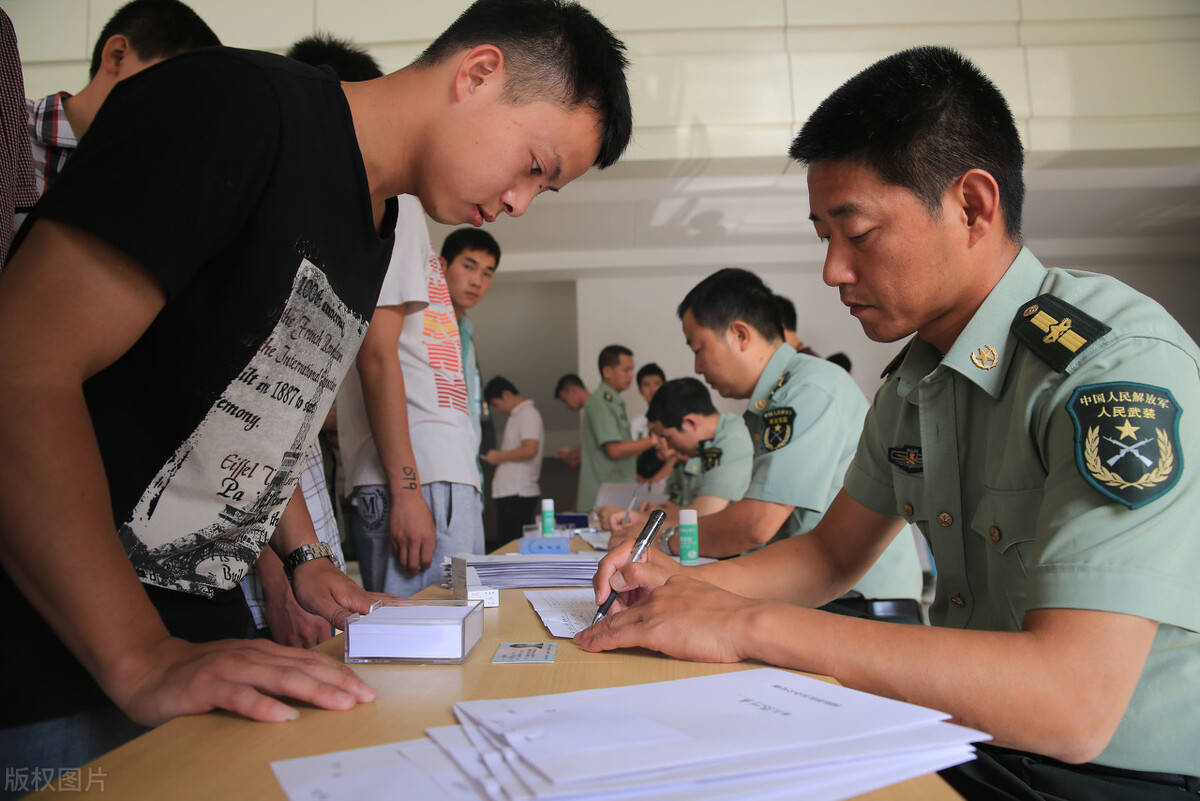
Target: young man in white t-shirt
405, 428
518, 460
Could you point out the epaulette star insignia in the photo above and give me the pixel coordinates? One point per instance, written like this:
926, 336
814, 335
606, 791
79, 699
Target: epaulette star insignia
1055, 330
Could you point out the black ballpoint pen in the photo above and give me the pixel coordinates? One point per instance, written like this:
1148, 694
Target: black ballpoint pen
643, 541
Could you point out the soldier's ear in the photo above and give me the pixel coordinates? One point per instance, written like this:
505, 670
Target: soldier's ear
740, 334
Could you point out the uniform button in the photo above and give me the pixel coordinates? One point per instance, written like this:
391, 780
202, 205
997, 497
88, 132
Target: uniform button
994, 533
957, 600
908, 509
945, 520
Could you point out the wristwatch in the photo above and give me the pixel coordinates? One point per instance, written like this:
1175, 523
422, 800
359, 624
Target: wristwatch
306, 553
665, 540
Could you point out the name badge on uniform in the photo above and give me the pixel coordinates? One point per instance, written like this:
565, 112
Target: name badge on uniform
1127, 440
908, 458
777, 428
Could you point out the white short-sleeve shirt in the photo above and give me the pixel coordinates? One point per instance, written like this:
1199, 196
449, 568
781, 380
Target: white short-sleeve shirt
520, 478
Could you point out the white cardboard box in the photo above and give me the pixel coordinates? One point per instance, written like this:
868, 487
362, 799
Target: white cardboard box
415, 631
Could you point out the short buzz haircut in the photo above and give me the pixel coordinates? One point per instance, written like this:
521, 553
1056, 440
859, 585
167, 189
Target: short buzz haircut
554, 50
921, 119
677, 398
733, 294
610, 356
349, 61
155, 29
462, 239
787, 313
497, 387
565, 382
649, 369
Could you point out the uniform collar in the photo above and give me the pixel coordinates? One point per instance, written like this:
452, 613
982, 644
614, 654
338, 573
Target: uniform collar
769, 380
708, 443
984, 350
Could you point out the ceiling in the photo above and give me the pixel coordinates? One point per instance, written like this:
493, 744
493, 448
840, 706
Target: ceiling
1082, 208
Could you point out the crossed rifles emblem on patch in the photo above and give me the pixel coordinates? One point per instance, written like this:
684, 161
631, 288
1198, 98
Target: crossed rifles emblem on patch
1127, 440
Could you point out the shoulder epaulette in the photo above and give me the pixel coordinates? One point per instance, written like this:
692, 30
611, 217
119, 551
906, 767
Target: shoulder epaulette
894, 363
1055, 330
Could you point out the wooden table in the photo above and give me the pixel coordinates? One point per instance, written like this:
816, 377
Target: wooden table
220, 756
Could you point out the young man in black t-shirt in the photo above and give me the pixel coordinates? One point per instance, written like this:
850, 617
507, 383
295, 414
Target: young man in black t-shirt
177, 318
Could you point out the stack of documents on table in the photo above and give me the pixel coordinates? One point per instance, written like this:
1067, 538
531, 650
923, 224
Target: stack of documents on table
763, 733
504, 571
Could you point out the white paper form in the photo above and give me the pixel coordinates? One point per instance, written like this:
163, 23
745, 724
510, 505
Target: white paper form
826, 782
859, 756
564, 612
726, 716
370, 772
596, 539
471, 761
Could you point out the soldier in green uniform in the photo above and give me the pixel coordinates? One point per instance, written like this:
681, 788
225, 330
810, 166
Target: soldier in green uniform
1036, 428
682, 416
608, 453
805, 417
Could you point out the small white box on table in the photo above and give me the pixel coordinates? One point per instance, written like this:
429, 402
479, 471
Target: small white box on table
431, 632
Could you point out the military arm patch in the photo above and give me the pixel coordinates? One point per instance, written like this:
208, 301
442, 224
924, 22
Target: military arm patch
1055, 330
1127, 440
908, 458
710, 458
777, 427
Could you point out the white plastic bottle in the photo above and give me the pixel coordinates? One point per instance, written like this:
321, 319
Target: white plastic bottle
547, 517
689, 537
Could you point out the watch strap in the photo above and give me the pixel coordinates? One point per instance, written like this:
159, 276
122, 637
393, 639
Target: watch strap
665, 540
306, 553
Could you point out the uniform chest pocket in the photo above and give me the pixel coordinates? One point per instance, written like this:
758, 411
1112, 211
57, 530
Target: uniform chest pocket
1005, 525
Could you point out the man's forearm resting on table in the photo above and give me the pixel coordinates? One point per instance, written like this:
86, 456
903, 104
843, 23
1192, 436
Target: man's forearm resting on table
809, 569
1064, 684
740, 526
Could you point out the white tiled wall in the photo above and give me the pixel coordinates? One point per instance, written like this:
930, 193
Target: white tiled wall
715, 79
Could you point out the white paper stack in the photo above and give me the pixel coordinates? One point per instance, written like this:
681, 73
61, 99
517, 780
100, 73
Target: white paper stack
414, 631
505, 571
763, 733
